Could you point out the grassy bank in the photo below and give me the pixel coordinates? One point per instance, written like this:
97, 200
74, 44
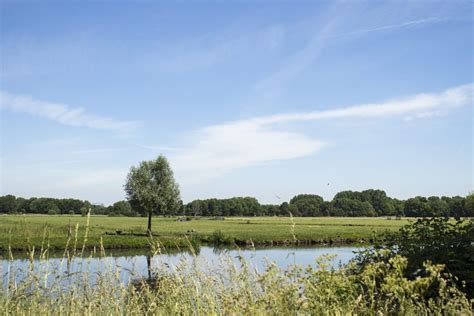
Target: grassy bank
23, 231
235, 289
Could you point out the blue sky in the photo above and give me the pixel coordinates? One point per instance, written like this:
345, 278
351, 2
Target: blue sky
245, 98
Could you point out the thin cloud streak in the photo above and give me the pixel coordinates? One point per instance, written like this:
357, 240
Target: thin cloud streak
214, 49
390, 27
419, 105
276, 83
64, 114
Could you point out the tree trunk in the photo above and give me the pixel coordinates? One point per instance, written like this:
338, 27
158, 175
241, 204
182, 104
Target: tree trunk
149, 223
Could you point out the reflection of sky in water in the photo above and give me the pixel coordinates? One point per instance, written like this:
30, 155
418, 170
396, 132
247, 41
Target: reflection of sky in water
207, 259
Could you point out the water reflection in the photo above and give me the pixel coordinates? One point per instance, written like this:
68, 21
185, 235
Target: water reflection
135, 265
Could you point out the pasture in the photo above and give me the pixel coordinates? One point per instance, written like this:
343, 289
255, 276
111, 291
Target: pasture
24, 231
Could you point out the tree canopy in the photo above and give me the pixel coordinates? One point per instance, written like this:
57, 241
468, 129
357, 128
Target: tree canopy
151, 188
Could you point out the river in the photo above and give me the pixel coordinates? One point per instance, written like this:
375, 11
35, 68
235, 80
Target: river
134, 265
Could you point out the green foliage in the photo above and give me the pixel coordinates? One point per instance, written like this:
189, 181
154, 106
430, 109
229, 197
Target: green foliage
122, 208
52, 212
219, 238
450, 243
349, 207
381, 204
306, 205
366, 203
236, 206
346, 203
469, 205
151, 187
8, 203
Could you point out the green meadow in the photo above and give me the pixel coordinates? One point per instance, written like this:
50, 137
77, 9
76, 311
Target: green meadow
24, 231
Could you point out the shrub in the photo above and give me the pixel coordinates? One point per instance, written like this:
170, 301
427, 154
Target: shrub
218, 238
438, 240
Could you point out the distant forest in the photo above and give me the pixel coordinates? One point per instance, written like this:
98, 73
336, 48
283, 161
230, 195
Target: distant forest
345, 203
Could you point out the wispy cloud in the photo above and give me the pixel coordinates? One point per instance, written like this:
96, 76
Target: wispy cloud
64, 114
214, 49
157, 148
415, 106
389, 27
295, 64
220, 148
273, 85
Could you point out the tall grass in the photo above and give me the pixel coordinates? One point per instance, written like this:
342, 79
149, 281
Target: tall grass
233, 288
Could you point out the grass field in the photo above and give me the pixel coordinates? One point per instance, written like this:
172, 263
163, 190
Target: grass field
23, 231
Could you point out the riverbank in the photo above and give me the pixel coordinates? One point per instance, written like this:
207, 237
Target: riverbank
241, 283
20, 232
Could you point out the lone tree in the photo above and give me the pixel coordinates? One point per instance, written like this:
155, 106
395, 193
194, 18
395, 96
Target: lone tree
151, 187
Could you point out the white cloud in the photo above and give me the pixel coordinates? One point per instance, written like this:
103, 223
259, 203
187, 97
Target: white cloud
220, 148
63, 114
416, 105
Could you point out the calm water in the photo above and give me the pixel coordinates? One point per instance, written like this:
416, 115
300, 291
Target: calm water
135, 265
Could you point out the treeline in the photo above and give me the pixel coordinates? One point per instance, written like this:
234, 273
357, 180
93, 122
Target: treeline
50, 206
345, 203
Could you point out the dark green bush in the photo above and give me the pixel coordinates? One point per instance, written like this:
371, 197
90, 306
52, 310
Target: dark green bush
439, 240
218, 238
